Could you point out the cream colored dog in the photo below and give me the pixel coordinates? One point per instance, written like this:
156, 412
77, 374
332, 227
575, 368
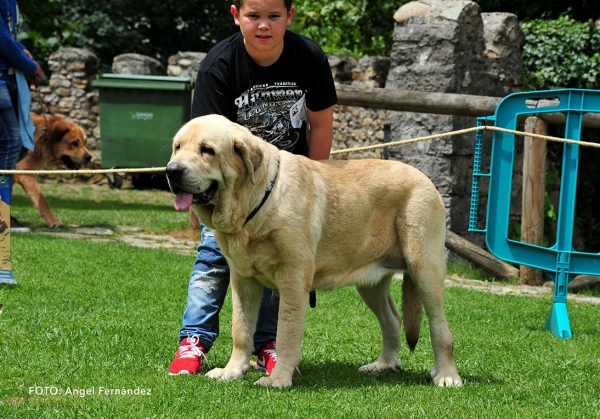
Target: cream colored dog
290, 223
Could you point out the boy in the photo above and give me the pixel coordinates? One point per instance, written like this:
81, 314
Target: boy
275, 83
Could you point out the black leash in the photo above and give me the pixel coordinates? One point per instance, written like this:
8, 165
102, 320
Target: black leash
312, 298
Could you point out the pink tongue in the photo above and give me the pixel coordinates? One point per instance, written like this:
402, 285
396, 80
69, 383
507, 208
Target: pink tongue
183, 201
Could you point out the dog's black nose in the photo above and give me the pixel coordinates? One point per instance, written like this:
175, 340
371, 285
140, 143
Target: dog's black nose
175, 170
87, 159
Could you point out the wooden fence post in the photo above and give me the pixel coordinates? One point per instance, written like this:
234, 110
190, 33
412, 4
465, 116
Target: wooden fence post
532, 211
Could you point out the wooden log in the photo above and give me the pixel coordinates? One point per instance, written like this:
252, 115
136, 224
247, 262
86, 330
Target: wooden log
442, 103
413, 101
480, 257
532, 209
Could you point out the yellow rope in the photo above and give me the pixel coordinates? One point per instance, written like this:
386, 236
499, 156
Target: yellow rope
466, 131
82, 171
349, 150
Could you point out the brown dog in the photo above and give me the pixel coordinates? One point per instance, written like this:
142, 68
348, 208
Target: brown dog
58, 143
287, 222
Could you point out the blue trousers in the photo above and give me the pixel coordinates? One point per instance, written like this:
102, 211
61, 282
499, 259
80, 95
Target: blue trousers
10, 133
206, 293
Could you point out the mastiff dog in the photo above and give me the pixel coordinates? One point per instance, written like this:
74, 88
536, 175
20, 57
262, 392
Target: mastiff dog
290, 223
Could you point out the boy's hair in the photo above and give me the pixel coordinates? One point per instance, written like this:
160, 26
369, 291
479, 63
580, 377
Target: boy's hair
238, 4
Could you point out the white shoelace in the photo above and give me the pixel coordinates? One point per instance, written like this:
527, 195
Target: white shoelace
272, 353
192, 350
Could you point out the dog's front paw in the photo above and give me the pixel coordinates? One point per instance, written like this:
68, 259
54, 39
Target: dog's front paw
446, 378
226, 374
54, 223
271, 381
393, 365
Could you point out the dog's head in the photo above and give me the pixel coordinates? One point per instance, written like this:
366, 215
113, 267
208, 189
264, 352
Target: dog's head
63, 143
216, 167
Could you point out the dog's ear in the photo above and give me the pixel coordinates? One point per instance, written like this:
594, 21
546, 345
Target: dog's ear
57, 130
252, 156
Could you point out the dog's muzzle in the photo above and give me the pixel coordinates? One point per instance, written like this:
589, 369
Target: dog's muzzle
184, 197
73, 165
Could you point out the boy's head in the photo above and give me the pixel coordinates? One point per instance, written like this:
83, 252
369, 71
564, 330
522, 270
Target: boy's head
287, 3
263, 24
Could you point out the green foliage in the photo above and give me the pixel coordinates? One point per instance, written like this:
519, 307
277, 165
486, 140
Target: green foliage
561, 53
113, 27
353, 27
581, 10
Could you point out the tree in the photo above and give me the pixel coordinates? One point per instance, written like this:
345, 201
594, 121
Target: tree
348, 27
583, 10
113, 27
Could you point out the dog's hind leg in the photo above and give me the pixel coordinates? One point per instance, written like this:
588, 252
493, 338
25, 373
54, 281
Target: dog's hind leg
381, 303
427, 271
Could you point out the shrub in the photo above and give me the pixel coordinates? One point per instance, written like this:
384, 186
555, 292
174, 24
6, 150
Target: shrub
352, 27
561, 53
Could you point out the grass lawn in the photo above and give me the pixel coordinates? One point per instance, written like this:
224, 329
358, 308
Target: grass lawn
90, 319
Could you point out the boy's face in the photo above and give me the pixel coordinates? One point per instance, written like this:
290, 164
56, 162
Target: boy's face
263, 24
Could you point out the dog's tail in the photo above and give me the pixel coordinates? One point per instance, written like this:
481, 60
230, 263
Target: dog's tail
412, 311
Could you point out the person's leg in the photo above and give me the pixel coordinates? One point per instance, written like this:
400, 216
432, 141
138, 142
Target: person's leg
266, 327
206, 293
10, 142
266, 332
10, 134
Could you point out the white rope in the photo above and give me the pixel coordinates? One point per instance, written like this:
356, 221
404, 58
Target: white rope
349, 150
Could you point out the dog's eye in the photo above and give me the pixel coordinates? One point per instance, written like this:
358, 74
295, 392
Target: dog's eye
207, 150
75, 143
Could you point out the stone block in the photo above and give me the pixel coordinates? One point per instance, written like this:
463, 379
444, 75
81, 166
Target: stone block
137, 64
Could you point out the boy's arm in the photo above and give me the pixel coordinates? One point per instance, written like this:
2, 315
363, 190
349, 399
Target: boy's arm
321, 133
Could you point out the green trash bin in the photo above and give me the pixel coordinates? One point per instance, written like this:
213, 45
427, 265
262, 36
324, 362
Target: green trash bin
139, 116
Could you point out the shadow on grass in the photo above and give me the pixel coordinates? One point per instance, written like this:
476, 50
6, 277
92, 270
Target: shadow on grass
340, 375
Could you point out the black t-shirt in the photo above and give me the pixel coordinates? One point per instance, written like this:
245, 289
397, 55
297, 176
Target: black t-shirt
270, 101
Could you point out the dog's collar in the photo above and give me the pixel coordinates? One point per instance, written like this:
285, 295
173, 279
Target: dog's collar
267, 193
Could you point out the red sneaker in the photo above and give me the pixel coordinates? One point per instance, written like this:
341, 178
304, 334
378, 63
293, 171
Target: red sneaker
267, 358
189, 358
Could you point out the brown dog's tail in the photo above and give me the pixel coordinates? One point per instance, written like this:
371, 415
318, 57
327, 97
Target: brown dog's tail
412, 311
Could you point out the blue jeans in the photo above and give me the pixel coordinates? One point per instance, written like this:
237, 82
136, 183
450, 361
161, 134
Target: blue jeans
10, 133
206, 293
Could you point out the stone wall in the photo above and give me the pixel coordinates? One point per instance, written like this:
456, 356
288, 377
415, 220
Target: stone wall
70, 93
448, 46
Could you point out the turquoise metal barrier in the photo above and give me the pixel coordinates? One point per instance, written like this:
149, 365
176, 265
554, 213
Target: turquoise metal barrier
560, 261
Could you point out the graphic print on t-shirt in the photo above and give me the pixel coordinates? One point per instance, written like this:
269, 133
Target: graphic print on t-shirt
274, 112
